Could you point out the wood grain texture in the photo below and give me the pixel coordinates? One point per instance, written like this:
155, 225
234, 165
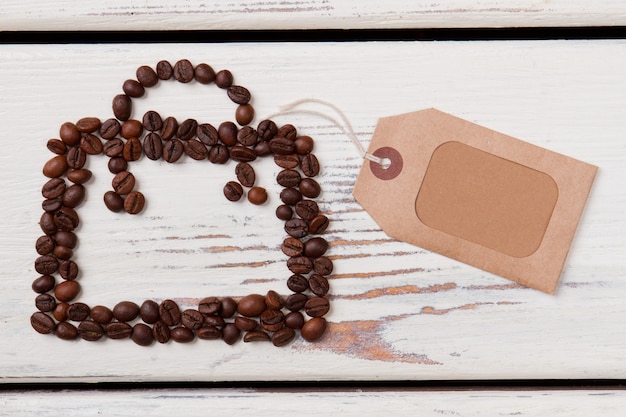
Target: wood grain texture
304, 14
398, 312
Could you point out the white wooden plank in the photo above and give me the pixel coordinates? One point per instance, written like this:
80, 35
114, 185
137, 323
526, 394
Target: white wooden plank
398, 312
304, 14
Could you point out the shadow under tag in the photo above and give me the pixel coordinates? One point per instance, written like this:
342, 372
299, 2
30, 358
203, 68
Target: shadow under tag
475, 195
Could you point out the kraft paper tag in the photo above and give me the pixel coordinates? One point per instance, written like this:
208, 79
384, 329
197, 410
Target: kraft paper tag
475, 195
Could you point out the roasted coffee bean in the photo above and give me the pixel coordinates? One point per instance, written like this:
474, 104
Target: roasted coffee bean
295, 302
173, 150
122, 107
216, 321
132, 149
43, 284
152, 121
67, 239
51, 205
142, 334
69, 134
147, 76
113, 147
267, 129
318, 224
247, 136
192, 319
125, 311
219, 154
161, 332
164, 70
273, 300
288, 178
300, 265
227, 132
79, 176
66, 331
242, 154
76, 157
294, 320
55, 187
224, 79
319, 285
245, 174
210, 305
149, 311
134, 202
283, 337
196, 150
307, 209
117, 164
118, 330
257, 195
316, 307
290, 196
245, 324
67, 290
297, 283
209, 333
187, 129
233, 191
55, 167
183, 71
42, 323
230, 333
45, 302
44, 245
323, 265
310, 165
304, 144
78, 311
60, 311
90, 330
238, 94
287, 161
101, 314
296, 228
313, 329
133, 88
229, 307
182, 334
282, 146
288, 131
251, 305
88, 124
113, 201
46, 265
204, 74
123, 183
244, 114
91, 144
132, 129
262, 148
153, 146
315, 247
169, 312
110, 129
272, 320
310, 188
56, 146
68, 270
169, 129
73, 196
207, 134
284, 212
46, 222
256, 336
62, 253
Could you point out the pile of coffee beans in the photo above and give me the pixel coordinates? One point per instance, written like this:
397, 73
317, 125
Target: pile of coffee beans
273, 317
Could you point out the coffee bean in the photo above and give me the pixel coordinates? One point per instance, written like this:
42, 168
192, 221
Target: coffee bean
147, 76
91, 144
245, 324
113, 147
283, 337
266, 130
233, 191
210, 305
67, 290
122, 107
42, 323
224, 79
287, 161
43, 284
230, 334
209, 333
67, 239
227, 132
294, 320
161, 332
318, 224
316, 307
288, 178
229, 307
284, 212
296, 228
297, 283
51, 205
183, 71
207, 134
68, 270
56, 146
134, 202
76, 157
113, 201
169, 312
262, 148
310, 188
60, 311
149, 311
88, 124
196, 150
247, 136
173, 150
219, 154
152, 121
187, 129
133, 88
44, 245
55, 167
132, 150
90, 330
170, 127
118, 330
164, 70
295, 302
53, 188
319, 285
101, 314
123, 183
315, 247
79, 176
251, 305
69, 134
307, 209
182, 334
290, 196
109, 129
304, 145
204, 74
238, 94
245, 174
257, 195
313, 329
192, 319
323, 265
153, 146
273, 300
244, 114
272, 320
46, 265
78, 311
45, 302
142, 334
288, 131
300, 265
216, 321
131, 129
66, 331
256, 336
242, 154
126, 311
46, 222
310, 165
282, 146
117, 164
63, 253
73, 196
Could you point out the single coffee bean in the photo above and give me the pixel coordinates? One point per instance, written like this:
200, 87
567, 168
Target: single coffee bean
315, 247
283, 337
91, 144
192, 319
101, 314
170, 313
310, 165
66, 331
209, 333
153, 146
290, 196
245, 174
196, 150
266, 130
207, 134
323, 265
118, 330
132, 129
73, 196
296, 228
272, 320
122, 107
51, 205
183, 71
245, 324
182, 334
88, 124
284, 212
288, 131
56, 146
169, 129
233, 191
310, 188
117, 164
242, 154
229, 307
251, 305
66, 219
67, 239
282, 146
142, 334
227, 132
46, 265
295, 302
113, 147
60, 311
313, 329
62, 253
134, 202
43, 284
288, 178
173, 150
210, 305
238, 94
68, 270
133, 88
247, 136
78, 311
294, 320
216, 321
257, 195
147, 76
297, 283
256, 336
152, 121
161, 332
125, 311
204, 74
113, 201
90, 330
42, 323
244, 114
307, 209
132, 149
123, 183
318, 224
262, 148
316, 307
230, 334
79, 176
219, 154
46, 222
164, 70
45, 302
67, 290
304, 144
55, 187
44, 245
69, 134
110, 129
224, 79
149, 311
273, 300
300, 265
55, 167
187, 129
76, 157
319, 285
287, 161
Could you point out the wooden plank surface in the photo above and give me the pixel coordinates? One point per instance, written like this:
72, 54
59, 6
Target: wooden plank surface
398, 312
304, 14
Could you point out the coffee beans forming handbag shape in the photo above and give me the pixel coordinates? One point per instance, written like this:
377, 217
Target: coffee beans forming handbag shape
276, 317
